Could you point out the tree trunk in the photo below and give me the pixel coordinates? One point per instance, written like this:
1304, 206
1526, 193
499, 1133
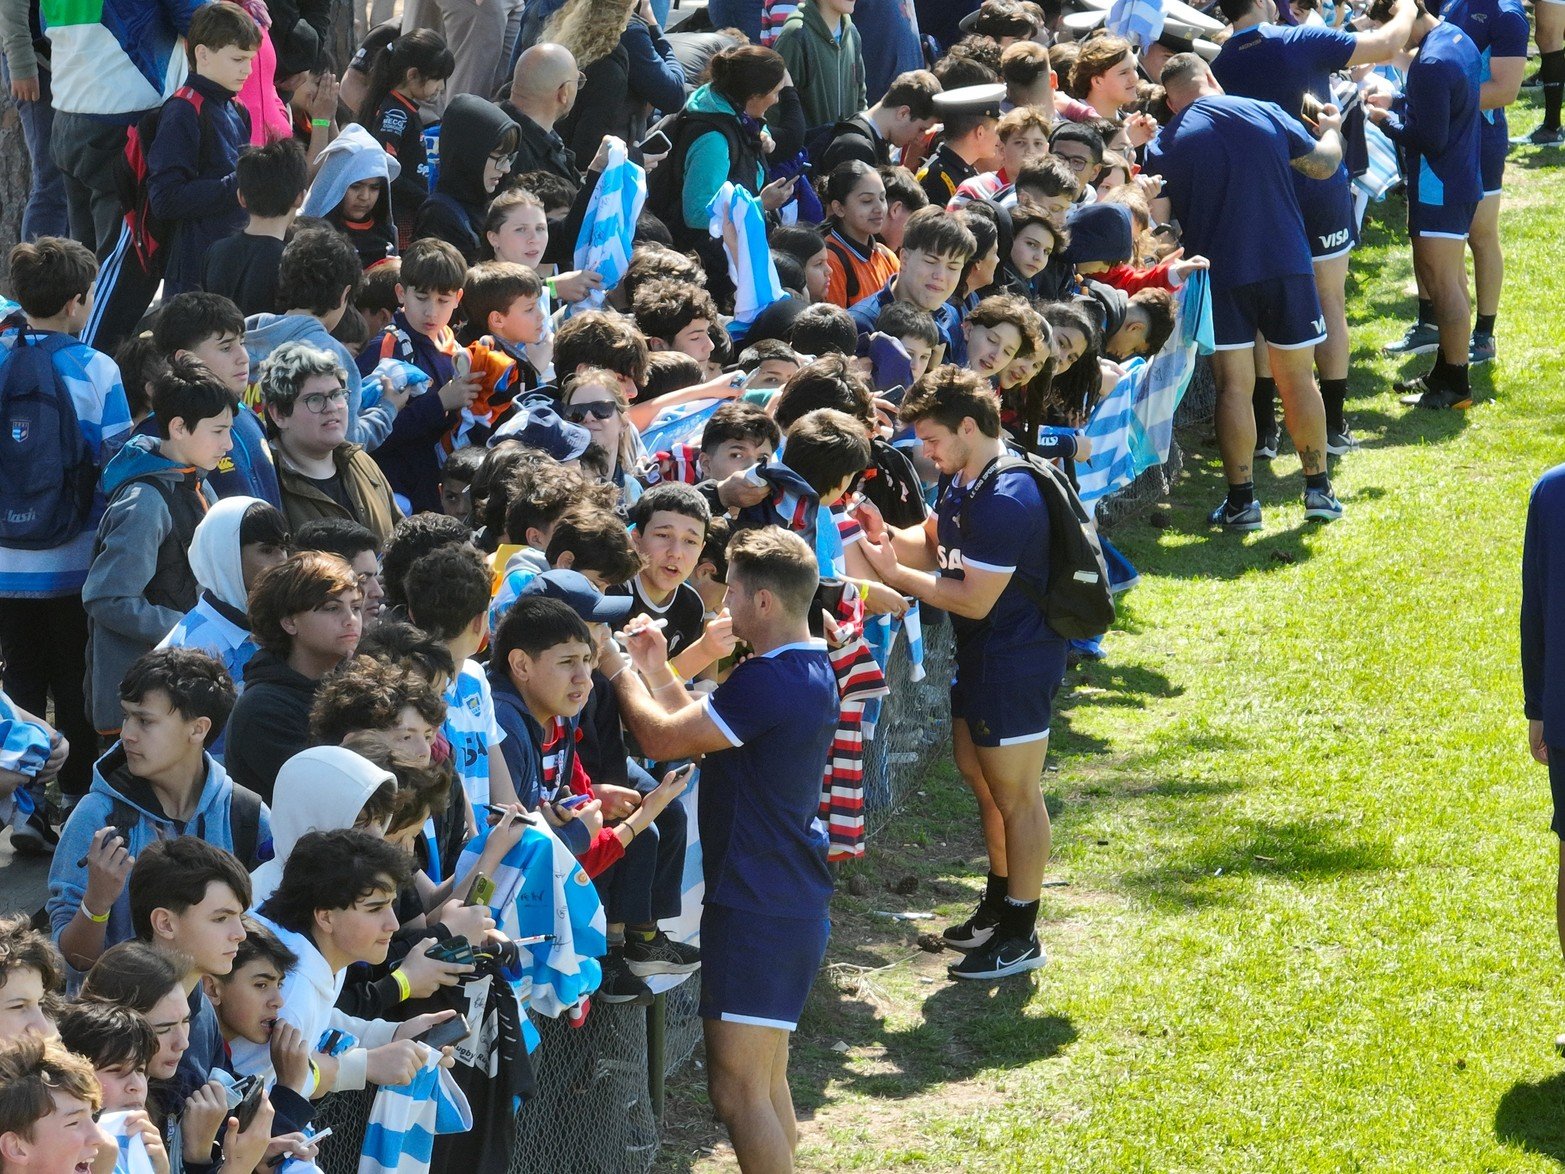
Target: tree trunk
15, 181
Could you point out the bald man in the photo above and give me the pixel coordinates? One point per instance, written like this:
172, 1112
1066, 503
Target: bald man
543, 90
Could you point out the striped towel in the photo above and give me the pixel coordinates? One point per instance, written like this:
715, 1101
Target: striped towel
739, 221
609, 226
404, 1120
133, 1157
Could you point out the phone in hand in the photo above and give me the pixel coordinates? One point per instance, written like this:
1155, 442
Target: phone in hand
456, 949
572, 802
656, 143
250, 1103
481, 891
447, 1031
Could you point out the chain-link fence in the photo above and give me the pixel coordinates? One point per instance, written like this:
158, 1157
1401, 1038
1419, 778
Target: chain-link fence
593, 1113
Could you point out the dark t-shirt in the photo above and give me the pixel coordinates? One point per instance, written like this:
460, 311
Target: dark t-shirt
333, 488
244, 268
763, 846
684, 611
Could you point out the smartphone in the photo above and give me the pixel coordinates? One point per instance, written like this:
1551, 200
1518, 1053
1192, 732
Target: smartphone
448, 1031
572, 802
656, 143
455, 949
894, 395
250, 1104
481, 891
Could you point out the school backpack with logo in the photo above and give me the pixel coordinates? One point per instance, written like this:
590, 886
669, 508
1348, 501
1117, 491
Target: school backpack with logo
1076, 601
149, 232
47, 474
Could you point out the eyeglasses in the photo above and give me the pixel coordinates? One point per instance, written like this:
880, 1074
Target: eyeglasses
1074, 162
581, 79
599, 410
503, 161
319, 401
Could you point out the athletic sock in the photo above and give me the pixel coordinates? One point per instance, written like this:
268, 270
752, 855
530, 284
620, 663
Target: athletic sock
1456, 377
1485, 324
1551, 72
632, 934
1018, 919
1335, 393
1426, 312
1321, 481
1240, 495
1265, 402
994, 893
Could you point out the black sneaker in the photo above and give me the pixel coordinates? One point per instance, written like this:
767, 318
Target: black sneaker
1001, 959
1266, 445
973, 932
662, 955
619, 984
31, 834
1438, 397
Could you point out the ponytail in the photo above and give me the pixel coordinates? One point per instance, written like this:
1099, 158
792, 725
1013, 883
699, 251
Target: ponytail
423, 50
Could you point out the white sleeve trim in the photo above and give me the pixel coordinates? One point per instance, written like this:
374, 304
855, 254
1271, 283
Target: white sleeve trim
711, 711
974, 563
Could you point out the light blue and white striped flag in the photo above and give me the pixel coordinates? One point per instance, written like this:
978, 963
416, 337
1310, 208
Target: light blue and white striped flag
133, 1157
405, 1119
737, 218
680, 424
1131, 428
609, 227
1139, 21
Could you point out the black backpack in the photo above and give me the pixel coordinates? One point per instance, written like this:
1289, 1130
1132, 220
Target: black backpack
666, 185
1076, 602
47, 474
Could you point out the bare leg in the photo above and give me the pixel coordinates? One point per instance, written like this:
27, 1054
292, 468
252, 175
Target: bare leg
1488, 260
1013, 774
966, 757
1235, 373
1302, 410
741, 1061
1331, 282
1442, 270
782, 1096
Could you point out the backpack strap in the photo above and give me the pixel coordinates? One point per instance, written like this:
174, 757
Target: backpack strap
850, 274
1001, 464
244, 824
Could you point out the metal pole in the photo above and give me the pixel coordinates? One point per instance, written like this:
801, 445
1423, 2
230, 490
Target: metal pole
657, 1035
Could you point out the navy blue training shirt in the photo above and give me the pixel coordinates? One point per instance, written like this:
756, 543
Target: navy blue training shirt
1497, 28
1225, 163
1281, 63
1007, 530
1436, 121
763, 846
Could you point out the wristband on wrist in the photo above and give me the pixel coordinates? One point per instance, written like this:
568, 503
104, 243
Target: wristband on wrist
614, 676
404, 987
864, 590
549, 285
320, 123
95, 918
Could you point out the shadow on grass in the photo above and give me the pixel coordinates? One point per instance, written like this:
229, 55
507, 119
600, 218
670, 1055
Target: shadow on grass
1292, 850
1530, 1117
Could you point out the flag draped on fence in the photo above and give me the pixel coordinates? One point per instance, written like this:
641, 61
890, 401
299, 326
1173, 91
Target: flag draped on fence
738, 220
1132, 427
609, 227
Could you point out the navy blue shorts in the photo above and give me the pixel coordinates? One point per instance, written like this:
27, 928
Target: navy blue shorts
1492, 149
1327, 205
1006, 701
1285, 309
1429, 212
757, 968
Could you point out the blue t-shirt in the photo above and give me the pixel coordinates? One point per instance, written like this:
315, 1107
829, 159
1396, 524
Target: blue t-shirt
1281, 63
763, 846
1497, 28
948, 321
1007, 530
1225, 163
1436, 121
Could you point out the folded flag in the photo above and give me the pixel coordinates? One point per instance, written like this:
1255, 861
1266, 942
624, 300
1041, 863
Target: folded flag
609, 226
739, 221
404, 1120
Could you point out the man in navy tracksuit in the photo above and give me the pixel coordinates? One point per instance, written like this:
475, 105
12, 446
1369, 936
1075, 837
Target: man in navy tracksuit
1543, 651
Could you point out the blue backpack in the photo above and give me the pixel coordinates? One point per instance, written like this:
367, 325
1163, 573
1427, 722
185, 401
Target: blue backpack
47, 474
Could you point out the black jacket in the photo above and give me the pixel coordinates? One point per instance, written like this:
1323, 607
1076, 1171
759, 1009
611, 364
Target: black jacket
470, 132
541, 150
270, 722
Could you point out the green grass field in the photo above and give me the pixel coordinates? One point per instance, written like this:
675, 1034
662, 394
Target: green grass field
1302, 905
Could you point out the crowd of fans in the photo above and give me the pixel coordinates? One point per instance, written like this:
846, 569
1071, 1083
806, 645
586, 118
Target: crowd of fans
362, 616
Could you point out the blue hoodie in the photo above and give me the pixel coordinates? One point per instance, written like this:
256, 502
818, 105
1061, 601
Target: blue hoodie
113, 785
264, 333
140, 583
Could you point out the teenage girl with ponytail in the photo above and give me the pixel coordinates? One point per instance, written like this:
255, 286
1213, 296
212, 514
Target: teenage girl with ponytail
855, 200
410, 70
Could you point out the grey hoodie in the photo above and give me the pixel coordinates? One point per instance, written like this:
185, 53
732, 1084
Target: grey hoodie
264, 333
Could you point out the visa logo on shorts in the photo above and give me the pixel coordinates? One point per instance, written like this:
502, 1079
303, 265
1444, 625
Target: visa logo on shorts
1336, 240
1319, 324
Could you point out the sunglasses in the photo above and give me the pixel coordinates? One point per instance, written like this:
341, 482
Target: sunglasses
598, 410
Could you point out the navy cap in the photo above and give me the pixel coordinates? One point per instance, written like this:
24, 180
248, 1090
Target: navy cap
537, 425
985, 99
576, 590
1099, 232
